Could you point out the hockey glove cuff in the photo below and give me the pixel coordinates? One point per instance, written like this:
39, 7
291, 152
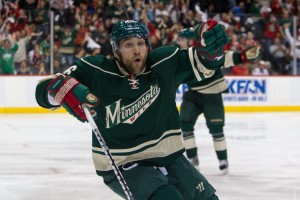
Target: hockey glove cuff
250, 54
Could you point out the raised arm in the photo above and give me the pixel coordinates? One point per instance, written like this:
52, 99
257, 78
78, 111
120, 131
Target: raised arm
211, 44
288, 35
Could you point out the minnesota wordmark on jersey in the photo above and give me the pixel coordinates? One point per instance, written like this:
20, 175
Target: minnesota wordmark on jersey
115, 113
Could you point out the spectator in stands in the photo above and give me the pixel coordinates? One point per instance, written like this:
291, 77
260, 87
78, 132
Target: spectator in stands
198, 10
35, 58
173, 9
99, 16
271, 31
81, 30
79, 53
138, 8
240, 70
276, 7
29, 7
249, 40
239, 11
188, 19
265, 9
278, 56
106, 49
150, 23
7, 52
41, 69
262, 68
24, 69
250, 25
101, 37
285, 18
224, 21
166, 21
90, 46
294, 45
235, 44
67, 44
108, 25
148, 11
63, 14
155, 40
234, 23
158, 8
20, 21
31, 28
61, 59
22, 39
56, 66
5, 29
41, 17
45, 48
54, 4
119, 12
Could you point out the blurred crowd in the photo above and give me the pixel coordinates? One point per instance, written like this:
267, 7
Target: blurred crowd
83, 28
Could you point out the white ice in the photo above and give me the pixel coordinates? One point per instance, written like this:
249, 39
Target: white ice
48, 157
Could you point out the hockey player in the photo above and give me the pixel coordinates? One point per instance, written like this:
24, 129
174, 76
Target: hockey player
203, 97
132, 96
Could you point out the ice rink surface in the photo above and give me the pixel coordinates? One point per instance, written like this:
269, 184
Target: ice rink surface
48, 157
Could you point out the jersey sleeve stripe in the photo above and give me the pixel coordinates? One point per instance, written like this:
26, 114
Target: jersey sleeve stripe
177, 49
191, 57
165, 134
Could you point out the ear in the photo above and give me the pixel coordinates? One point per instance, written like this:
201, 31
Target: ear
117, 55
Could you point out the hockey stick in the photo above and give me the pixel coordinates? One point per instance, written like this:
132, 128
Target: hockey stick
107, 153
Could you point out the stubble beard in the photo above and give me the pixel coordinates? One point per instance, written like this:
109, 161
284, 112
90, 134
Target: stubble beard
136, 68
132, 67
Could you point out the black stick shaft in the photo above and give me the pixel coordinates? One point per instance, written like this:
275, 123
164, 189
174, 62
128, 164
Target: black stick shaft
107, 153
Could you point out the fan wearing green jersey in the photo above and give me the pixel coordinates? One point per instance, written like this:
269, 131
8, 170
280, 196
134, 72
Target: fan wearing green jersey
132, 99
203, 97
7, 56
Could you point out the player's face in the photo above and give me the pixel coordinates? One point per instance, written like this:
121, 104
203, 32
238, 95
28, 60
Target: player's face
134, 53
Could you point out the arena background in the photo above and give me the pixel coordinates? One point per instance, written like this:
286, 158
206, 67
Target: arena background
246, 94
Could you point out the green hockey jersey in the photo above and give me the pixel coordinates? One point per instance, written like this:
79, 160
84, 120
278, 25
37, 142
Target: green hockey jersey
137, 114
7, 59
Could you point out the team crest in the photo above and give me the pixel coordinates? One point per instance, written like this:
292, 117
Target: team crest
92, 98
